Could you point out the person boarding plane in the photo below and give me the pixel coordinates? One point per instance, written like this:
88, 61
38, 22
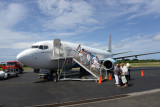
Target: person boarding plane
55, 55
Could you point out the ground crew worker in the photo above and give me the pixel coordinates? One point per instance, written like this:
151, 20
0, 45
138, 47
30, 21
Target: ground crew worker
128, 65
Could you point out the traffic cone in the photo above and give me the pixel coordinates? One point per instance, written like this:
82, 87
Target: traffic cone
109, 78
100, 80
142, 74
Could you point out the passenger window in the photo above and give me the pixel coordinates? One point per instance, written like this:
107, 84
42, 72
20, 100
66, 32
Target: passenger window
34, 46
41, 47
45, 47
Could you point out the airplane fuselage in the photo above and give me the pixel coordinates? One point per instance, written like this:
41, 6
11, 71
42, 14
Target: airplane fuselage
42, 54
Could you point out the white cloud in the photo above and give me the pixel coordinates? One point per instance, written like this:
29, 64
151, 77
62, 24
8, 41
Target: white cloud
70, 17
157, 37
65, 18
18, 40
64, 34
137, 44
143, 8
65, 14
11, 15
22, 45
131, 8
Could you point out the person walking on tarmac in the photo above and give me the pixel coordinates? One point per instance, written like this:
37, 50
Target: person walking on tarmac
116, 73
124, 75
128, 65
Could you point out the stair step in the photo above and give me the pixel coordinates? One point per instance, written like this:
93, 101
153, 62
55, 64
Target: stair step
92, 71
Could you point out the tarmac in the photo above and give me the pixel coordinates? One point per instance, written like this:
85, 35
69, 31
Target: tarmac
28, 90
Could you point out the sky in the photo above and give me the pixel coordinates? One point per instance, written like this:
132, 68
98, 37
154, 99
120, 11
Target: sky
133, 24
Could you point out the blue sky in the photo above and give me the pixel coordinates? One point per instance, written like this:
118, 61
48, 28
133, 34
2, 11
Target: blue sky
133, 24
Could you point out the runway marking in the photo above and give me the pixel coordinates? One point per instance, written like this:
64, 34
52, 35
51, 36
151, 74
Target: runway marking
143, 92
80, 101
95, 100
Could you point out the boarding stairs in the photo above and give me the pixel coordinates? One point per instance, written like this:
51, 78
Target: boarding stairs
94, 72
63, 55
87, 65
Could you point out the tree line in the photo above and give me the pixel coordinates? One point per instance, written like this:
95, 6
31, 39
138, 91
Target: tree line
137, 61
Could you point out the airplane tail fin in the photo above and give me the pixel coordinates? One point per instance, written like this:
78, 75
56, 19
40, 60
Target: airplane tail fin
109, 45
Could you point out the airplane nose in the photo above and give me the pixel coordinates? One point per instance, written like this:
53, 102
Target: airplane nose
20, 57
24, 57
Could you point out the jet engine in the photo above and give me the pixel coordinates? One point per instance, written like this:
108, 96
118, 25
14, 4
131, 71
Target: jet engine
109, 63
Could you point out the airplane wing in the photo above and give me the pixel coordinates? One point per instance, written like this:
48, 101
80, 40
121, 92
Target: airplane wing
135, 55
122, 53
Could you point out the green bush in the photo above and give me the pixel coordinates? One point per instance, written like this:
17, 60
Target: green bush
137, 61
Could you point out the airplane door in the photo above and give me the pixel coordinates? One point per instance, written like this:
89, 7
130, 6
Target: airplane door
68, 51
36, 59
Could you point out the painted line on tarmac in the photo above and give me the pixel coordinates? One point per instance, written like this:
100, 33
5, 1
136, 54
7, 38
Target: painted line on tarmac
95, 100
71, 103
127, 96
143, 92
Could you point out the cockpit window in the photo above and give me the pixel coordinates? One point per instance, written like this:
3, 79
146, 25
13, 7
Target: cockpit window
35, 47
45, 47
42, 47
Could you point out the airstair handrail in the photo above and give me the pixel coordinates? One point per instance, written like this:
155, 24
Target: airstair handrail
84, 57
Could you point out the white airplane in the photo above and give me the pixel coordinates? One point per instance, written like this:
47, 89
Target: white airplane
45, 55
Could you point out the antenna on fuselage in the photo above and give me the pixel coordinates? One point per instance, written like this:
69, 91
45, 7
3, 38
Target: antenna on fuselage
109, 45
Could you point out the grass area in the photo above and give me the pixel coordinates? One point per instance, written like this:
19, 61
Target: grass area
146, 64
23, 68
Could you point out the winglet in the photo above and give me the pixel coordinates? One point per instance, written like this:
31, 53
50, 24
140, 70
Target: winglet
109, 45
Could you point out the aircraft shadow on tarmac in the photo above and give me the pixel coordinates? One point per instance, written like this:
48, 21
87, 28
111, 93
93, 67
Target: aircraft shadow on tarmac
43, 81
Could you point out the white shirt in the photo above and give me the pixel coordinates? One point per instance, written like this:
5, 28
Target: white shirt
88, 57
124, 70
79, 49
95, 60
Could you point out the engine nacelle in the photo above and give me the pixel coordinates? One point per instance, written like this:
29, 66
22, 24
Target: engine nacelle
109, 63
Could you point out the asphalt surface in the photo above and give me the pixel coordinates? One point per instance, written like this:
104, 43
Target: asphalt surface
149, 99
28, 90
